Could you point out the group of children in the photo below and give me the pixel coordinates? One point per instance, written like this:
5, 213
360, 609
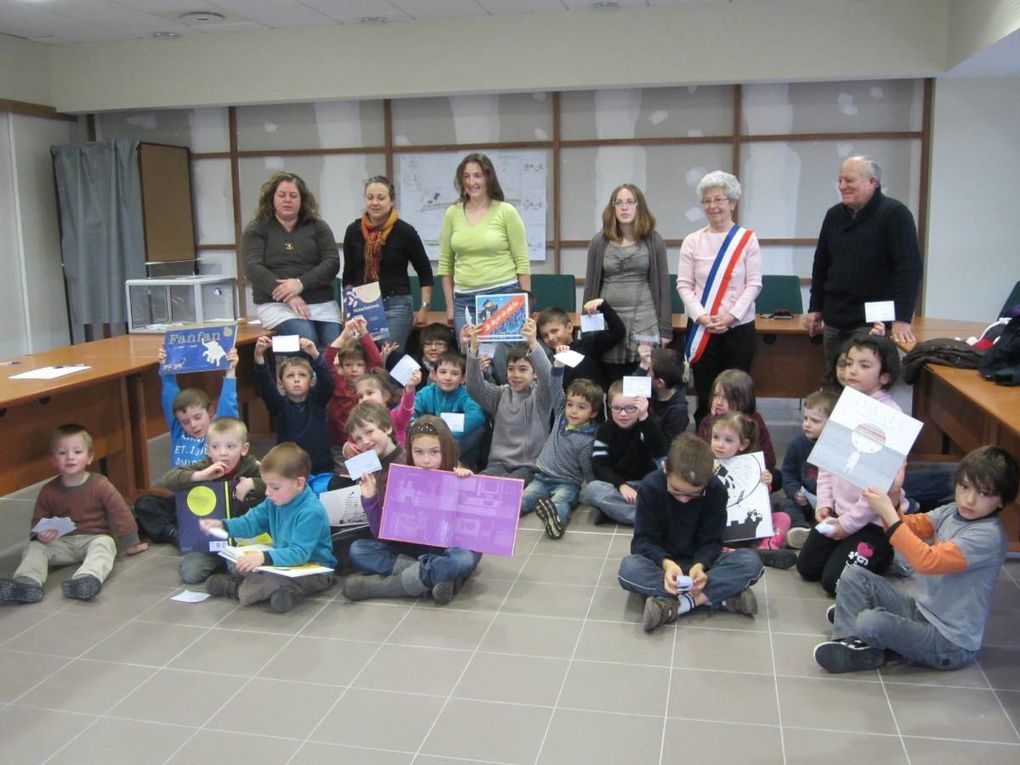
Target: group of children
638, 467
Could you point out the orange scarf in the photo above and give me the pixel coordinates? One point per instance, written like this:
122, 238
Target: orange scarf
375, 238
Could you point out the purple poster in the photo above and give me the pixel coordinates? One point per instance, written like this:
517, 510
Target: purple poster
433, 507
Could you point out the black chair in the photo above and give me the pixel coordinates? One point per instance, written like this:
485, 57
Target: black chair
553, 291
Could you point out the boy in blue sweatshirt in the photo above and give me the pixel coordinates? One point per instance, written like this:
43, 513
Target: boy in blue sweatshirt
293, 516
800, 478
188, 413
447, 394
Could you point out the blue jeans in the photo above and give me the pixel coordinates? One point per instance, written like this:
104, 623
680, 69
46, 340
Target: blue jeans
196, 567
437, 565
608, 499
399, 317
732, 573
562, 493
322, 332
869, 608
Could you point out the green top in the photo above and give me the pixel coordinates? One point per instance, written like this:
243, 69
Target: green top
492, 253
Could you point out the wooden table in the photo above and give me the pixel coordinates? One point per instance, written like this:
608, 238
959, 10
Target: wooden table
117, 399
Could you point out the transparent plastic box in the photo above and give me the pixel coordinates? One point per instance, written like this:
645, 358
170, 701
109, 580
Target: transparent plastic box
155, 305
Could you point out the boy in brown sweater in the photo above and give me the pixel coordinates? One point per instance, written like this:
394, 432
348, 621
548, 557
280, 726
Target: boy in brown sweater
91, 502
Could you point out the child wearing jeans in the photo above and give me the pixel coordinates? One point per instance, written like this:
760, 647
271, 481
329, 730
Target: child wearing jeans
565, 461
956, 552
95, 507
293, 516
677, 561
402, 569
854, 536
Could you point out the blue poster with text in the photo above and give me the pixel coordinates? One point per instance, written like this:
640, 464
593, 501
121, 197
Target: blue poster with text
202, 348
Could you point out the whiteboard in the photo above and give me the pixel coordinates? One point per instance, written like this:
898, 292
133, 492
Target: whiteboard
426, 190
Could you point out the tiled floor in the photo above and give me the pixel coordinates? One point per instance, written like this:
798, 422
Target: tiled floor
539, 660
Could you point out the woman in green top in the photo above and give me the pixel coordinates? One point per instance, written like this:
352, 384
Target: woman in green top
483, 249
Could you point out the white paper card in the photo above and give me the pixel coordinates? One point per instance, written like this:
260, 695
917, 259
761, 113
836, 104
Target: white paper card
570, 358
884, 310
455, 420
486, 349
366, 462
286, 344
343, 506
650, 339
594, 322
403, 369
467, 316
187, 596
51, 373
637, 386
61, 524
748, 509
865, 441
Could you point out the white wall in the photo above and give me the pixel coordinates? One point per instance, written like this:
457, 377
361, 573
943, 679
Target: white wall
974, 228
784, 40
32, 287
24, 71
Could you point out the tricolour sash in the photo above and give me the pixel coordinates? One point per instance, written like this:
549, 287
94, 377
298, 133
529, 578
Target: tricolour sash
715, 287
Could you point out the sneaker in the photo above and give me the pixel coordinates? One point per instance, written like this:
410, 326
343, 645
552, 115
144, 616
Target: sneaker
222, 585
82, 587
848, 655
830, 614
22, 590
546, 511
443, 592
744, 602
659, 611
796, 537
283, 600
777, 558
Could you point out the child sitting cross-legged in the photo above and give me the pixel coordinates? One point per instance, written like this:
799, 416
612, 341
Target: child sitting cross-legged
565, 461
401, 569
800, 478
295, 519
226, 459
91, 502
956, 551
627, 448
677, 561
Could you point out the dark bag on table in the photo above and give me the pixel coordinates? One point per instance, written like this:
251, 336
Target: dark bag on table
1004, 355
940, 350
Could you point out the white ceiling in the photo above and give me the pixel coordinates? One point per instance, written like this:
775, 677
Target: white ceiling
73, 21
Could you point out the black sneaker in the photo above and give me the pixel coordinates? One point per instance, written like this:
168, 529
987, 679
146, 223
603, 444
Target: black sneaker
546, 511
744, 602
82, 587
659, 611
830, 614
23, 590
848, 655
777, 558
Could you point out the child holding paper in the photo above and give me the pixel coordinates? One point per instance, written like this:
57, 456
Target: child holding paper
853, 534
400, 569
447, 394
348, 358
627, 448
564, 464
374, 386
668, 403
956, 551
227, 458
91, 502
677, 560
300, 411
556, 329
187, 413
520, 408
295, 519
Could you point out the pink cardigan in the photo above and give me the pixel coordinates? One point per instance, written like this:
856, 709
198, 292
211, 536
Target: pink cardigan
696, 257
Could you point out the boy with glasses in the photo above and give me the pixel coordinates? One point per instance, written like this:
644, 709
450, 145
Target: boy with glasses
677, 560
627, 447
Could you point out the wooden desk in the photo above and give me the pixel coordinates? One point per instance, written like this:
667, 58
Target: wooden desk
117, 399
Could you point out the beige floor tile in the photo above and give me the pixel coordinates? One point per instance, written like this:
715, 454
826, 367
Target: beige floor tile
795, 657
120, 600
216, 747
276, 708
723, 696
810, 747
145, 643
716, 743
576, 544
838, 705
799, 616
616, 605
357, 621
115, 741
230, 652
89, 687
319, 660
477, 730
513, 679
65, 634
932, 711
942, 752
441, 628
22, 671
556, 569
532, 635
614, 688
366, 718
598, 738
727, 650
178, 697
548, 599
413, 670
315, 753
31, 735
626, 643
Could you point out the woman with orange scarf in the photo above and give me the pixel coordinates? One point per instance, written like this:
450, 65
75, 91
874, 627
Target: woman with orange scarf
378, 248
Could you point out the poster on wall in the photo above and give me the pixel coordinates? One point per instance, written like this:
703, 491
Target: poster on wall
426, 190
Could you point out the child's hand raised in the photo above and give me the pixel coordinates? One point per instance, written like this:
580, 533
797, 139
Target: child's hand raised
308, 347
387, 349
369, 485
161, 355
469, 337
232, 360
559, 349
881, 505
412, 381
350, 449
642, 407
592, 306
644, 351
262, 345
530, 333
